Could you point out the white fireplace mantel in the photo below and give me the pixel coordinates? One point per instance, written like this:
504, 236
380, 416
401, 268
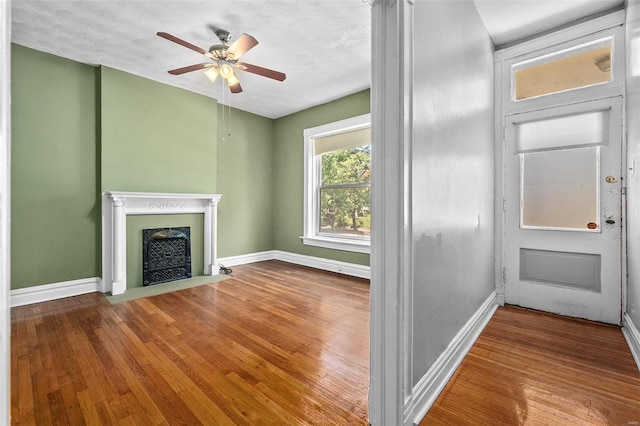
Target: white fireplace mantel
116, 206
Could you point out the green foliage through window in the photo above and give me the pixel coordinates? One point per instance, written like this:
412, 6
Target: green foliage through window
345, 200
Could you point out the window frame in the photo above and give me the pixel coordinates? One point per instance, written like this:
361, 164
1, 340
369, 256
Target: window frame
312, 183
569, 51
511, 58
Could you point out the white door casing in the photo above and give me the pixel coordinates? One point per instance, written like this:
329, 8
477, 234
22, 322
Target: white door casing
575, 272
5, 210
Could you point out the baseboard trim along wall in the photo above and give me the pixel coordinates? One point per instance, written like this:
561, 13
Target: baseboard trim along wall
46, 292
352, 269
243, 259
632, 335
433, 382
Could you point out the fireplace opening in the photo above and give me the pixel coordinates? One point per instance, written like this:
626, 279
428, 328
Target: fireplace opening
166, 255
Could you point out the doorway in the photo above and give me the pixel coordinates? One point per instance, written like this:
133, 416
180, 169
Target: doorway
563, 210
562, 150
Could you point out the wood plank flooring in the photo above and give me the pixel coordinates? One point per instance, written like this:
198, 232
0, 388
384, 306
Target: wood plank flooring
280, 344
276, 344
532, 368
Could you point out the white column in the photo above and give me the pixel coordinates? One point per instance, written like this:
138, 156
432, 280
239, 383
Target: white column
119, 284
391, 243
208, 237
213, 234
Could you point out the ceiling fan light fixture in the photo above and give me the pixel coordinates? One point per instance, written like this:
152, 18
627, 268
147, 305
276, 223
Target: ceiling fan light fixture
226, 71
212, 74
232, 81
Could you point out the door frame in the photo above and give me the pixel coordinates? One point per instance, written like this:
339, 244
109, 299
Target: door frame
5, 210
608, 25
390, 385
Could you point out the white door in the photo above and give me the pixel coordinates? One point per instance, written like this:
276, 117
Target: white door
563, 230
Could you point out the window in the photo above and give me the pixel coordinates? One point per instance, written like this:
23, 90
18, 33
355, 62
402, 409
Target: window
337, 211
586, 65
560, 164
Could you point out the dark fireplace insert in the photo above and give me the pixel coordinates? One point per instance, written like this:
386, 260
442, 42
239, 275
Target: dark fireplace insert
166, 255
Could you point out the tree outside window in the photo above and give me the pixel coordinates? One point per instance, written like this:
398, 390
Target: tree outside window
337, 188
345, 202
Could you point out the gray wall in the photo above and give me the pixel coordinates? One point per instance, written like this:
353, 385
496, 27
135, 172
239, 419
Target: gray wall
453, 175
633, 144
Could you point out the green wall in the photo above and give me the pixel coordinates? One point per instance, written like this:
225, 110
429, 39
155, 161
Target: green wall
245, 180
55, 223
135, 225
82, 130
156, 138
288, 166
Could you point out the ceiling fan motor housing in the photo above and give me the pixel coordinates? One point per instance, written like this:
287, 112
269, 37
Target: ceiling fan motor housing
218, 50
224, 36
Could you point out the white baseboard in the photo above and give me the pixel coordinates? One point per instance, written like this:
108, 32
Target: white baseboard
352, 269
243, 259
46, 292
433, 382
632, 335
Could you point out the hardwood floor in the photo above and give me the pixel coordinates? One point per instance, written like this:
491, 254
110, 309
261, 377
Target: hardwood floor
281, 344
532, 368
276, 344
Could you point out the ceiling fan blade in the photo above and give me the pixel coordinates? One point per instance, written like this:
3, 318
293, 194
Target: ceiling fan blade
183, 43
236, 88
190, 68
242, 45
265, 72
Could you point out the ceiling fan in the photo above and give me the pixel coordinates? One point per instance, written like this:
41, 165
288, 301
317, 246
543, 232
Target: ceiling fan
224, 59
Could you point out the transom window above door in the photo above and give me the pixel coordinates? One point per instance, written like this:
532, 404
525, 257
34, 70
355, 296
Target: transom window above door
337, 211
573, 68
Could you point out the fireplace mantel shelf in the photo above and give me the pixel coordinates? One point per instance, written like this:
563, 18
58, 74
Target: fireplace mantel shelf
116, 205
154, 195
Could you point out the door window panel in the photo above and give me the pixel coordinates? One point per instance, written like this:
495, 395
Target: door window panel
559, 189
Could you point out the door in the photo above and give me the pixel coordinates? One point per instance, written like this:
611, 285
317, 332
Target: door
563, 230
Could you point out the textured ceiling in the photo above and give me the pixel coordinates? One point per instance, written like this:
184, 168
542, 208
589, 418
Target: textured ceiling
323, 46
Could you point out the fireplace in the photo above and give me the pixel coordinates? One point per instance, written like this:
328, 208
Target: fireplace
166, 255
116, 206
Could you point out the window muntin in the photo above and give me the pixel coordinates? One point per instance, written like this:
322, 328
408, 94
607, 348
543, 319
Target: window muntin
582, 66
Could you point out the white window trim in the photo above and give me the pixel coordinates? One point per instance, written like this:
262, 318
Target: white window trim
585, 33
311, 176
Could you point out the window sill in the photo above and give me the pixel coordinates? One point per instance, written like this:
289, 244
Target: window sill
338, 244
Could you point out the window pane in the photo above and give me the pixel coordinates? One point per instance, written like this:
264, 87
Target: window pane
560, 189
345, 212
352, 165
587, 128
582, 66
